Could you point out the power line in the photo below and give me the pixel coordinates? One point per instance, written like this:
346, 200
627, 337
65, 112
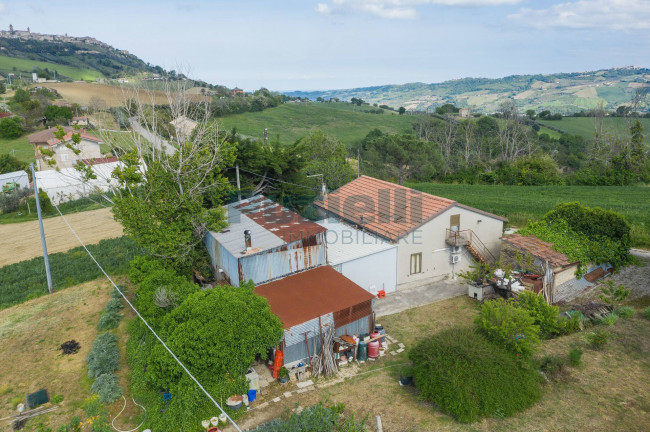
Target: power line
146, 323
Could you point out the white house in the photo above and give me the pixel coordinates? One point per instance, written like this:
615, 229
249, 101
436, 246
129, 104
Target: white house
366, 259
436, 237
183, 126
65, 158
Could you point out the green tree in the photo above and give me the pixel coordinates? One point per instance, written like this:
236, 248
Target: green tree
530, 113
638, 153
54, 113
327, 156
401, 110
447, 109
20, 96
612, 295
10, 128
401, 157
3, 88
10, 163
509, 326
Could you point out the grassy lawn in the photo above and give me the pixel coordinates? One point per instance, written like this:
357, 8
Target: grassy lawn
19, 147
346, 122
549, 132
7, 65
584, 126
30, 335
523, 203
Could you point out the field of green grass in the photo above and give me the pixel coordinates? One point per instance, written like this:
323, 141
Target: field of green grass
346, 122
584, 126
7, 65
523, 203
19, 147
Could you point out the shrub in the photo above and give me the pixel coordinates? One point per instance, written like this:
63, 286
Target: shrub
108, 320
625, 312
575, 356
611, 295
104, 356
107, 388
406, 371
574, 323
646, 312
57, 398
318, 418
504, 323
114, 304
609, 319
553, 366
545, 315
598, 339
469, 377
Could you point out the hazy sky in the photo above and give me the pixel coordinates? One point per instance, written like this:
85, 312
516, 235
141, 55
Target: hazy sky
326, 44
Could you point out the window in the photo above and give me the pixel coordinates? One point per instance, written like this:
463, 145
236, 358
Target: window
64, 157
416, 263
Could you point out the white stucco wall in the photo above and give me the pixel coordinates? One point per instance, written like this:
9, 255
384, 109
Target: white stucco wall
373, 272
430, 240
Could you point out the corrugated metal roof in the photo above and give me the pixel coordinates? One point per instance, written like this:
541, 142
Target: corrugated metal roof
346, 243
309, 294
13, 176
387, 209
271, 225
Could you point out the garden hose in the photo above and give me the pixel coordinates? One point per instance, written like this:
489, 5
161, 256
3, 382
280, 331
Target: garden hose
122, 410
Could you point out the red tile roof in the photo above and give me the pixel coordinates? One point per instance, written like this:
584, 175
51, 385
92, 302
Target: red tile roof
99, 161
309, 294
68, 137
45, 135
387, 209
538, 248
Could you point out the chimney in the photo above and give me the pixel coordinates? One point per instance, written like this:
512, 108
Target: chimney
247, 239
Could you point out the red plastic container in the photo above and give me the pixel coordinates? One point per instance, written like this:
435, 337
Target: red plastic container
373, 347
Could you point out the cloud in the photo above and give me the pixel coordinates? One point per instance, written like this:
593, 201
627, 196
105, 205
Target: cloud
588, 14
2, 7
400, 9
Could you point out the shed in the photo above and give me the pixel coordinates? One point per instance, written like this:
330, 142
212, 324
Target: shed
313, 299
19, 177
264, 241
364, 258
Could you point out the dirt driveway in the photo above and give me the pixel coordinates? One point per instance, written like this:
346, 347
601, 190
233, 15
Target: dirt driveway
22, 241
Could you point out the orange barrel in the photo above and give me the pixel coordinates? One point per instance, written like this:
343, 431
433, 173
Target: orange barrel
277, 362
373, 347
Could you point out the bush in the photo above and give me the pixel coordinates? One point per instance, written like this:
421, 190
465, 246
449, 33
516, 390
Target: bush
317, 418
598, 339
545, 315
611, 295
575, 356
104, 356
574, 323
108, 321
57, 398
507, 325
553, 366
609, 319
469, 377
10, 128
114, 304
625, 312
107, 388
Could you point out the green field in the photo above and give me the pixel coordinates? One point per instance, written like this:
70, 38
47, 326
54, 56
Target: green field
522, 203
296, 120
584, 126
19, 147
18, 66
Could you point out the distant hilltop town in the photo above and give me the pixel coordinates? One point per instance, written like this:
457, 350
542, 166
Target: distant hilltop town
28, 35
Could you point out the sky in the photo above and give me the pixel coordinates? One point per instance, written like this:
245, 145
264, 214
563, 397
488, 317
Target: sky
333, 44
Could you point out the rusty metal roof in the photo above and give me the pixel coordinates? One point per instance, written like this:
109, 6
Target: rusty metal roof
538, 248
312, 293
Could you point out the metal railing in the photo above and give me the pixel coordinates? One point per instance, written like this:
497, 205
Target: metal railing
469, 237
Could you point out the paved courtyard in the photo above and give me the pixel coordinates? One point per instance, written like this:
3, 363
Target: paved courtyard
408, 298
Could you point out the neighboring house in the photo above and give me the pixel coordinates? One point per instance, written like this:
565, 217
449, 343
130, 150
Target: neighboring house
313, 301
79, 121
18, 177
365, 259
264, 241
183, 126
558, 281
236, 91
435, 237
64, 156
5, 114
464, 113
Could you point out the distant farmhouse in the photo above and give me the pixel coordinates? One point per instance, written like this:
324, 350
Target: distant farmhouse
64, 157
236, 91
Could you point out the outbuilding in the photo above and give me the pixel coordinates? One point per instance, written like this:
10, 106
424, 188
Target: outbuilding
364, 258
311, 302
20, 178
264, 241
436, 237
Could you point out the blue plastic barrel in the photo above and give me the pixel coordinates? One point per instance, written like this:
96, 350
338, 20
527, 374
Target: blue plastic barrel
252, 395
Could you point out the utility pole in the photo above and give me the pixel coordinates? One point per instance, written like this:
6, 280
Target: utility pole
358, 162
40, 222
323, 189
238, 186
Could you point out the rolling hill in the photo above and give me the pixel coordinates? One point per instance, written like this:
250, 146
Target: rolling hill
562, 92
347, 122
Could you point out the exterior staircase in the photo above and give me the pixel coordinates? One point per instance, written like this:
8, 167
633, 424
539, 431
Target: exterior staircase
473, 243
